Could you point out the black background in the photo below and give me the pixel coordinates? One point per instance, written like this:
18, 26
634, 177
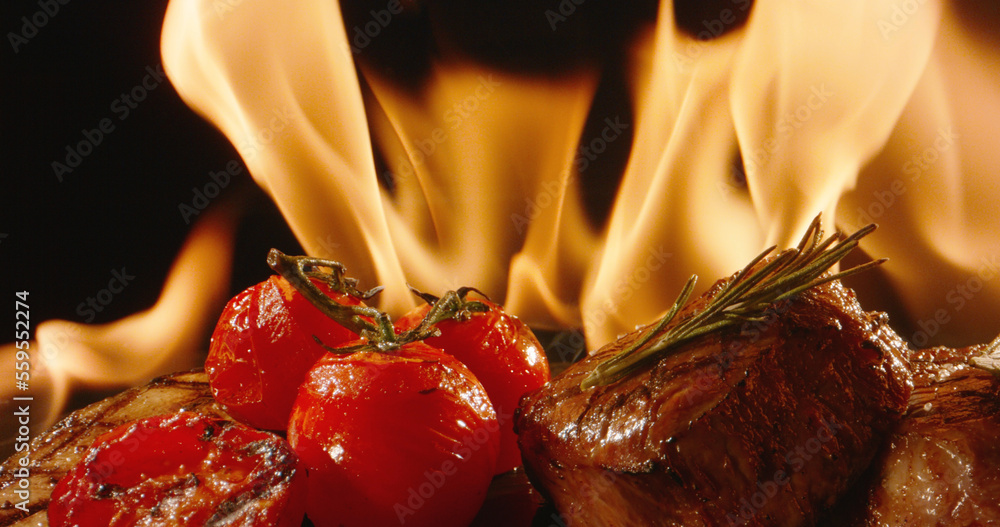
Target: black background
120, 206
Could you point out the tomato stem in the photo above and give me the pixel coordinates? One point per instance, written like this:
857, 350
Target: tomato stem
372, 325
453, 305
299, 269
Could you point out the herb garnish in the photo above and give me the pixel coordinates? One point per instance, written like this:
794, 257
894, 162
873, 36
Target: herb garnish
744, 298
990, 359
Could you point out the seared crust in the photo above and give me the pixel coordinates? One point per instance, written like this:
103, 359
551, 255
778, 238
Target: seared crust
766, 425
55, 451
942, 465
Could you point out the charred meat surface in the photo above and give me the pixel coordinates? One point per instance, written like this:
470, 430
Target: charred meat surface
767, 423
942, 465
54, 452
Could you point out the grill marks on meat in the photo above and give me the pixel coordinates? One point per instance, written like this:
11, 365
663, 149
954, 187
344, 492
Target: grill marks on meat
58, 449
767, 425
942, 465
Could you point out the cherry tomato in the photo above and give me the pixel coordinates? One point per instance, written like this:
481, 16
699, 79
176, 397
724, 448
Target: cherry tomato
504, 355
406, 437
263, 346
182, 469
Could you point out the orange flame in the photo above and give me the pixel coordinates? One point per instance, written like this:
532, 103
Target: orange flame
825, 102
163, 339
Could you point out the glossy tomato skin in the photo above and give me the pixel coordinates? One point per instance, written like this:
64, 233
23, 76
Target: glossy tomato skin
407, 437
504, 355
182, 469
263, 346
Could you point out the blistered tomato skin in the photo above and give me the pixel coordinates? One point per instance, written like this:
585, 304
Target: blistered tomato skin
263, 346
402, 438
504, 355
182, 469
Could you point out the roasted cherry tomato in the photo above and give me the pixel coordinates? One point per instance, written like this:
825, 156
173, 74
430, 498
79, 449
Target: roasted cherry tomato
182, 469
406, 437
503, 354
263, 346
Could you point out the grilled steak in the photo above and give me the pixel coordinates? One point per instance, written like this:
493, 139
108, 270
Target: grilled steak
58, 449
942, 465
764, 424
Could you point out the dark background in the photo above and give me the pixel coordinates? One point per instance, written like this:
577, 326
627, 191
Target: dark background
120, 206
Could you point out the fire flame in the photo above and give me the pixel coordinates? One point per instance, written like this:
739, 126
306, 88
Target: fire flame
487, 192
865, 110
163, 339
825, 102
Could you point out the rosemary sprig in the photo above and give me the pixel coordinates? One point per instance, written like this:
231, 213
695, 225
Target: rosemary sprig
299, 269
744, 298
990, 359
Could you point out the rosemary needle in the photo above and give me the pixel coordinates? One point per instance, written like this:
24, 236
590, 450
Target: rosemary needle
990, 358
746, 297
